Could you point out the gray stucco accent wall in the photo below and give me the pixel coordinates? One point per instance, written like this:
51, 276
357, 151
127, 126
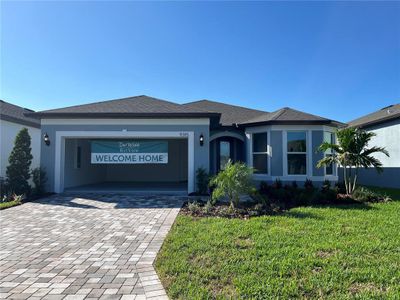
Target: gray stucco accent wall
201, 153
317, 139
276, 158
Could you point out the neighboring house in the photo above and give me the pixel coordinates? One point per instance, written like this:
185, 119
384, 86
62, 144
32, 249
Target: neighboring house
146, 141
12, 120
385, 123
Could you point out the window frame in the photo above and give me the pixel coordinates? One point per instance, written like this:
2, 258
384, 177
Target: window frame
330, 152
267, 152
306, 153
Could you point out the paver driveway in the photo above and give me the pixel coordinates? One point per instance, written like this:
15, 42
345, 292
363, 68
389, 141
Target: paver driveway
82, 247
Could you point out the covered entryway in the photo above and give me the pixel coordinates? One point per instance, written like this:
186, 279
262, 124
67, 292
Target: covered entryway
129, 162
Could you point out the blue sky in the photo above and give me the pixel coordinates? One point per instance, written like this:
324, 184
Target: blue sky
335, 59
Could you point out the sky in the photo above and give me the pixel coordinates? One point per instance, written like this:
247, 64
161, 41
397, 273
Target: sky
339, 60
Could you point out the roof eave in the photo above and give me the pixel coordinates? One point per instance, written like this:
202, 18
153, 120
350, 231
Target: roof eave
43, 115
375, 122
292, 122
19, 121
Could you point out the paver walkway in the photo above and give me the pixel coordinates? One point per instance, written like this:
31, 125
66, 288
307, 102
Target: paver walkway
84, 247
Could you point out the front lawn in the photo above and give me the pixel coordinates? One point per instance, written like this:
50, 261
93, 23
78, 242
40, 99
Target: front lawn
308, 252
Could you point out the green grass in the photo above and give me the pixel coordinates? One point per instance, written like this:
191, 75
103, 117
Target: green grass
4, 205
310, 252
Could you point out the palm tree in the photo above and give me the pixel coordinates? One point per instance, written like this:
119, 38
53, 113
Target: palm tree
351, 153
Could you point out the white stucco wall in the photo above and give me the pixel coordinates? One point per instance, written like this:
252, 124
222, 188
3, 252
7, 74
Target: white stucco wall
388, 136
8, 132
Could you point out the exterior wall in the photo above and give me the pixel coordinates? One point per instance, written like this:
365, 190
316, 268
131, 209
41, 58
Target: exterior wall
8, 132
277, 152
388, 136
48, 157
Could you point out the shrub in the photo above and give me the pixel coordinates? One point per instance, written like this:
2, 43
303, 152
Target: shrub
19, 164
308, 184
340, 187
208, 207
39, 180
202, 178
277, 184
3, 187
294, 184
235, 180
363, 194
264, 187
326, 185
194, 207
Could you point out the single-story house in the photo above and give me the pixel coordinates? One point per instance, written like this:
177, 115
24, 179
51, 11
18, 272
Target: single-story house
385, 123
147, 142
12, 120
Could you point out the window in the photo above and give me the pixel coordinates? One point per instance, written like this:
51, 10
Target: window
260, 153
297, 153
78, 157
330, 138
224, 153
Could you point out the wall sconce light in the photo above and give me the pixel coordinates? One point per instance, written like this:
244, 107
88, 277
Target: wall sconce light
46, 139
201, 139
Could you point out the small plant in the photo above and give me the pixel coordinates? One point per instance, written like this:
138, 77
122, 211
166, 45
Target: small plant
19, 164
194, 207
326, 185
294, 184
39, 178
207, 208
277, 183
17, 198
264, 187
308, 184
202, 178
340, 187
234, 180
363, 194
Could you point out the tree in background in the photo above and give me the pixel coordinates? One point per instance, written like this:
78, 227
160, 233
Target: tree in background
18, 170
352, 153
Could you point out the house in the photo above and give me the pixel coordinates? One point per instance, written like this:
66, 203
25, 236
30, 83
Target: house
12, 120
143, 142
385, 123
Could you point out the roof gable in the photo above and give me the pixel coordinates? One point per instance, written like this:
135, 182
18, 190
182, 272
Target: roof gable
287, 114
230, 114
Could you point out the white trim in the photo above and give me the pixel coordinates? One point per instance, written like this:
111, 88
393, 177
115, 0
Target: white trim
155, 121
308, 154
62, 135
227, 133
250, 153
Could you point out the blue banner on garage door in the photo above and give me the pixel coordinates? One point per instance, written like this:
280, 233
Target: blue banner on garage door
129, 152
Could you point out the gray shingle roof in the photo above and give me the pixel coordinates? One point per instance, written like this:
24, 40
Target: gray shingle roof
385, 114
14, 113
230, 114
138, 106
286, 114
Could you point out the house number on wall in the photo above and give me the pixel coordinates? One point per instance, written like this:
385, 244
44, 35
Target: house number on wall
184, 134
